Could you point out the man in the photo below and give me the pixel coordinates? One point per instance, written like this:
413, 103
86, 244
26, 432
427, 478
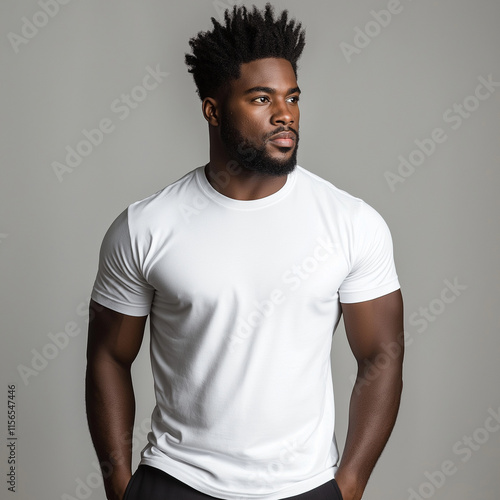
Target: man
245, 266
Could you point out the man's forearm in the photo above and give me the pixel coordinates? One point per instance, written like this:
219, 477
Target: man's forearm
372, 413
110, 405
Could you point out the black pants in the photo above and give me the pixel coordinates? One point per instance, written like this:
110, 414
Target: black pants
149, 483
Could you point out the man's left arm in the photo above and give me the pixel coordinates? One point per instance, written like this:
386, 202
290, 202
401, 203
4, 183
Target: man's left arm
375, 333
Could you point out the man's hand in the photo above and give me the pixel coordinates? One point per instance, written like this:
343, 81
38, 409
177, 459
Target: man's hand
118, 488
376, 336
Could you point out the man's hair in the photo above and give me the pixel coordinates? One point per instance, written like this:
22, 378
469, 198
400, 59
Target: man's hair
245, 36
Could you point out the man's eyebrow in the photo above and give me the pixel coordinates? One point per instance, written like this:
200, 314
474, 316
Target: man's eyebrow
270, 90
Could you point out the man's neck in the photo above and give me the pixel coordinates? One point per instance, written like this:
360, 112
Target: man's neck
239, 183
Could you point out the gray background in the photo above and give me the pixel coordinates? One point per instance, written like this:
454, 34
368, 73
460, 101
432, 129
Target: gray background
359, 114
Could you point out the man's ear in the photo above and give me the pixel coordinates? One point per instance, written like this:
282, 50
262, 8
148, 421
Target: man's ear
210, 108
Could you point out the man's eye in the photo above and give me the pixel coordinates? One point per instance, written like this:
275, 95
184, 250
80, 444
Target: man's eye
294, 99
261, 99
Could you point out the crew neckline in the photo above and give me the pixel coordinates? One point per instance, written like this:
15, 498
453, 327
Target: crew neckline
232, 203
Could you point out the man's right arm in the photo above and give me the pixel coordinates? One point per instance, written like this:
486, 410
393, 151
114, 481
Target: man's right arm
114, 339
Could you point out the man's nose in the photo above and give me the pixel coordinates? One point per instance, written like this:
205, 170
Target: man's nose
282, 115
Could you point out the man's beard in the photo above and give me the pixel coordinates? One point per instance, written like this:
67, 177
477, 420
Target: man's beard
256, 159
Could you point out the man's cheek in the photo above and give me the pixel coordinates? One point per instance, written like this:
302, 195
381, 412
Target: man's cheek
248, 153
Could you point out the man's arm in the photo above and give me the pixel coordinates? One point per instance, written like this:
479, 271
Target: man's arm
375, 333
114, 339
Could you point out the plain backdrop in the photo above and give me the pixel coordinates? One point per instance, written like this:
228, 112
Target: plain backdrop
400, 106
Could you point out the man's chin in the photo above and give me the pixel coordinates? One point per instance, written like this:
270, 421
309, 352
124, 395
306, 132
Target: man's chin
269, 161
272, 169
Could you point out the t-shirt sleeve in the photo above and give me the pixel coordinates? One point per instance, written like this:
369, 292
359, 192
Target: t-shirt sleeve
120, 285
373, 272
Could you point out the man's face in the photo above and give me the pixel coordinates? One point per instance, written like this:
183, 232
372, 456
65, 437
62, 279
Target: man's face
260, 117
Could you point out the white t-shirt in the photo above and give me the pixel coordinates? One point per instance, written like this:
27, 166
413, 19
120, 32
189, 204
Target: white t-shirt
244, 297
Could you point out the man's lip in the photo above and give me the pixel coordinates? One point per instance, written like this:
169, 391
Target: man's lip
283, 139
283, 135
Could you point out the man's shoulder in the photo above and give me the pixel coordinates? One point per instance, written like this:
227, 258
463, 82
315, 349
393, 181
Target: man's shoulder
323, 188
168, 194
146, 214
346, 206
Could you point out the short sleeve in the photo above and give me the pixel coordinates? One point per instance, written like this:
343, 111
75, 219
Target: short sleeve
120, 284
373, 272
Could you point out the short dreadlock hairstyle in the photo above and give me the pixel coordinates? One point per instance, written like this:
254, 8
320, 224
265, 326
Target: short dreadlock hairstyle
244, 37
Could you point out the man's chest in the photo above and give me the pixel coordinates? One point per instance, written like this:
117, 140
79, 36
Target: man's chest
256, 261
